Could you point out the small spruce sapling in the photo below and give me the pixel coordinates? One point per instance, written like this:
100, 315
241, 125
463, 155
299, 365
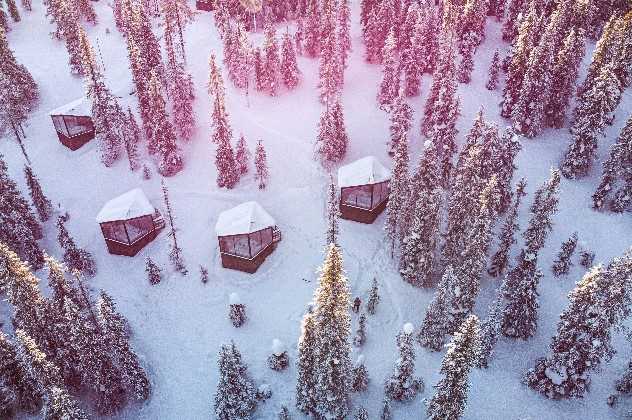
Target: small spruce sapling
386, 409
402, 385
154, 273
563, 261
284, 413
374, 298
242, 155
203, 274
494, 69
360, 337
75, 258
586, 257
360, 376
261, 166
237, 311
279, 359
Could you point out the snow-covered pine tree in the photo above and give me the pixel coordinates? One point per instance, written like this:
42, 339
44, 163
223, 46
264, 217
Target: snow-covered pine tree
312, 29
13, 10
332, 324
435, 324
289, 67
398, 196
360, 337
466, 66
360, 375
162, 138
597, 305
132, 138
385, 413
15, 381
591, 116
419, 242
284, 413
563, 261
236, 310
259, 70
235, 395
402, 385
272, 62
400, 117
344, 30
617, 170
374, 298
500, 259
306, 365
242, 155
362, 414
75, 258
154, 273
333, 214
586, 257
490, 330
113, 329
177, 14
563, 78
40, 201
331, 144
175, 252
262, 174
603, 53
450, 397
279, 359
227, 171
512, 19
390, 84
330, 69
494, 70
413, 64
4, 20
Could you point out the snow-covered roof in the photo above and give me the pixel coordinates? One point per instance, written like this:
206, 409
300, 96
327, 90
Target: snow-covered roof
365, 171
132, 204
245, 218
81, 107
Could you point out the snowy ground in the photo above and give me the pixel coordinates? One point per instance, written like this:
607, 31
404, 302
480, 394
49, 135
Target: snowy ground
180, 324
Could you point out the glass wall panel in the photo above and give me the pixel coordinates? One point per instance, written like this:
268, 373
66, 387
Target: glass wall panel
78, 125
139, 227
380, 193
266, 236
357, 196
256, 243
114, 231
60, 127
236, 245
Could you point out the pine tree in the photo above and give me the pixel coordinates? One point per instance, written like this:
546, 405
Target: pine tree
284, 413
261, 166
360, 376
332, 324
436, 321
272, 62
386, 409
24, 390
279, 359
175, 252
13, 10
177, 14
289, 67
75, 258
40, 201
400, 116
501, 258
132, 140
235, 395
260, 71
413, 51
591, 116
203, 274
331, 144
85, 9
563, 77
333, 214
362, 414
306, 366
451, 392
617, 169
402, 385
419, 241
511, 25
236, 310
563, 261
398, 196
242, 155
494, 70
227, 171
389, 86
312, 29
466, 66
113, 327
344, 30
330, 69
61, 405
154, 273
374, 298
490, 330
597, 305
4, 20
360, 338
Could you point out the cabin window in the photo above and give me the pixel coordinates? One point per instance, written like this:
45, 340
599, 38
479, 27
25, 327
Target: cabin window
236, 245
380, 193
60, 126
138, 227
359, 196
114, 231
78, 125
259, 240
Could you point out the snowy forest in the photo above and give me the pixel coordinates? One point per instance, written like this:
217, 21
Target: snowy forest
325, 209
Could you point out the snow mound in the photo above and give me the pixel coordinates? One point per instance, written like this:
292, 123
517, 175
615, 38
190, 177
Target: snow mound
408, 328
427, 144
278, 348
360, 360
234, 299
365, 171
245, 218
127, 206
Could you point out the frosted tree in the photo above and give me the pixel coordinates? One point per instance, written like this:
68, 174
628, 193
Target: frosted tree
360, 376
133, 138
262, 173
385, 413
272, 62
113, 328
312, 29
289, 67
236, 310
227, 170
374, 298
333, 214
306, 365
435, 325
154, 273
402, 385
22, 390
389, 86
597, 305
413, 64
279, 359
466, 66
259, 70
400, 117
398, 195
494, 70
42, 204
563, 262
331, 144
362, 414
175, 252
490, 330
332, 322
344, 30
75, 258
450, 398
591, 116
500, 259
13, 10
513, 15
235, 395
242, 155
617, 173
177, 14
360, 337
418, 245
330, 69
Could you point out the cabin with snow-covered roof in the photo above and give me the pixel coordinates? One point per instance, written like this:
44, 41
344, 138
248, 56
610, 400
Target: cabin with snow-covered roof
364, 189
247, 234
73, 123
129, 222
